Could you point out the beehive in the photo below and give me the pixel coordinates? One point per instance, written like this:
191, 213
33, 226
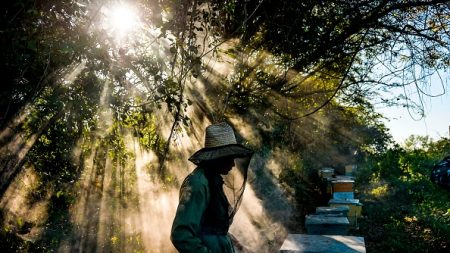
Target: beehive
340, 210
343, 195
323, 224
344, 185
323, 243
354, 206
326, 173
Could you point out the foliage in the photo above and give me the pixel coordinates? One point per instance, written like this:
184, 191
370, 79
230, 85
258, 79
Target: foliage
393, 37
411, 213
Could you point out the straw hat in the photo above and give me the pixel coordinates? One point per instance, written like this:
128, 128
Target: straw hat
220, 141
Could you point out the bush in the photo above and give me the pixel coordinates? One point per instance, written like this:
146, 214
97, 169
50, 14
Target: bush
403, 210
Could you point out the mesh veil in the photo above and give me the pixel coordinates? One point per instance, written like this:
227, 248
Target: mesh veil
234, 184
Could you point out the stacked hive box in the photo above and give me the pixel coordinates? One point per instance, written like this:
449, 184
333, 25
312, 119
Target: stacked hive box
328, 221
300, 243
328, 228
325, 173
354, 208
339, 210
326, 224
343, 189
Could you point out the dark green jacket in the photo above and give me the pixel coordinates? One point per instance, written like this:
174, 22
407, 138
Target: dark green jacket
201, 222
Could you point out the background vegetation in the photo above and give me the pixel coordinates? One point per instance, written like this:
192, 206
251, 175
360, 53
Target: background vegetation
404, 211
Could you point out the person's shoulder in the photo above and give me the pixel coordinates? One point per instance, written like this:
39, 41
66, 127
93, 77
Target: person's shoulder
197, 177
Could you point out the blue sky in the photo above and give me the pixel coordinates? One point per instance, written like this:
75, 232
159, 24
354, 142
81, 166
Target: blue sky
435, 123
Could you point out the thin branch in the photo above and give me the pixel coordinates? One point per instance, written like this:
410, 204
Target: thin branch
341, 83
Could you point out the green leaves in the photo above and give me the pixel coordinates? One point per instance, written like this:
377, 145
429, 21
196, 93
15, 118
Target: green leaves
410, 212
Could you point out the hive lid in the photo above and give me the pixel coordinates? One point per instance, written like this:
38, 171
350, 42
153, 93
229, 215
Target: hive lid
326, 219
331, 209
344, 201
323, 243
343, 181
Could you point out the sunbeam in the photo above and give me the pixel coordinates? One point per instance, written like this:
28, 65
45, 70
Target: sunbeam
156, 204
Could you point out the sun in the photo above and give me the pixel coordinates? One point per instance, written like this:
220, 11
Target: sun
121, 19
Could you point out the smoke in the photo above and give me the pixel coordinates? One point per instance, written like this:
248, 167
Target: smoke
25, 206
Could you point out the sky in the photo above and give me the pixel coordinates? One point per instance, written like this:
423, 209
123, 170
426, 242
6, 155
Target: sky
435, 123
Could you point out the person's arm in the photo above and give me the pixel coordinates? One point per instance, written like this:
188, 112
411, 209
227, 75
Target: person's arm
194, 196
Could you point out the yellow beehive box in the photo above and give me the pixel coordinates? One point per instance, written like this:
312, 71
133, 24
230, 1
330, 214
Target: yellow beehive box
355, 208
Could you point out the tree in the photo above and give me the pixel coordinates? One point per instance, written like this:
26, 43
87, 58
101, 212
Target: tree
365, 45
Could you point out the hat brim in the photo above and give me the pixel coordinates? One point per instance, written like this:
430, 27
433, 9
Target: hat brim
208, 154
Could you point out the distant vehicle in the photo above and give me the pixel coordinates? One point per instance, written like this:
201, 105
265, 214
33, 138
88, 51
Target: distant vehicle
441, 172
